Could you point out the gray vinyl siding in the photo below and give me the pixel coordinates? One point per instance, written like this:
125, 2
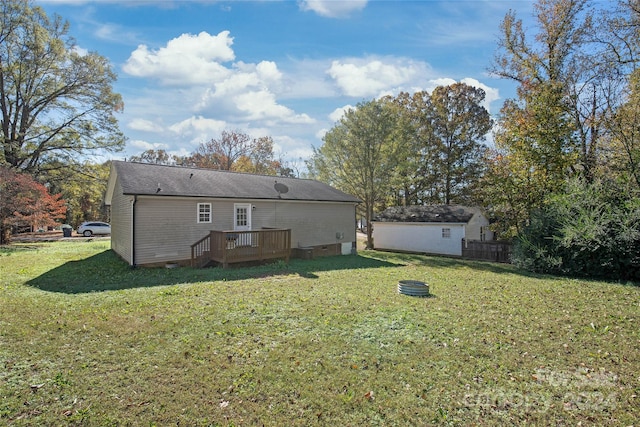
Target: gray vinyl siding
166, 227
311, 223
121, 224
317, 223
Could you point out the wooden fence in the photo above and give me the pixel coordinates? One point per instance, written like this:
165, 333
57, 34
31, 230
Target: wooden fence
495, 251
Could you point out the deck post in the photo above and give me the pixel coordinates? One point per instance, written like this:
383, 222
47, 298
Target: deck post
211, 242
224, 244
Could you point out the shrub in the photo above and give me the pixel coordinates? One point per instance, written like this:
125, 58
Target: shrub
591, 230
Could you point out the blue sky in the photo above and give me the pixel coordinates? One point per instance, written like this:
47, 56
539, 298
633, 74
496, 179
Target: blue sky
187, 70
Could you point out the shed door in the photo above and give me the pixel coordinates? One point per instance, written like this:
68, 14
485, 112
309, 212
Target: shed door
242, 222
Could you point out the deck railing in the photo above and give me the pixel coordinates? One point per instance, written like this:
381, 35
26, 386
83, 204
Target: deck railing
201, 252
226, 247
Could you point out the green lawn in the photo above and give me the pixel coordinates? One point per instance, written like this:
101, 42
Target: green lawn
85, 340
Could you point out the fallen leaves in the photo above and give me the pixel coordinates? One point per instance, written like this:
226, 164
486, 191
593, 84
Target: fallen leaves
36, 387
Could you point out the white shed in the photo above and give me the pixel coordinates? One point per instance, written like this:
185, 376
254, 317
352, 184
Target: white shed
434, 229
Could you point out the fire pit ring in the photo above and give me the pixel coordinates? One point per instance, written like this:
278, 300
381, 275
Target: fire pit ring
413, 288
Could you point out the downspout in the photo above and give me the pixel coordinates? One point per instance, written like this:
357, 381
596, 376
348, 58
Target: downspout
133, 231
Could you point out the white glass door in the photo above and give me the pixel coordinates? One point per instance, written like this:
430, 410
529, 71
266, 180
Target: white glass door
242, 222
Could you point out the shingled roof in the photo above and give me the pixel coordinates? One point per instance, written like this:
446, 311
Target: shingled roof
161, 180
432, 213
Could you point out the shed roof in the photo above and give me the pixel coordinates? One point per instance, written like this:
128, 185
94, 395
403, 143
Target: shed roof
431, 213
161, 180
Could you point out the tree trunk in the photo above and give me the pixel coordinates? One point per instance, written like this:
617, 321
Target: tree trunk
369, 217
5, 234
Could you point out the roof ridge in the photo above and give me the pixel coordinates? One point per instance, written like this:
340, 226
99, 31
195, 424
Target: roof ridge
216, 170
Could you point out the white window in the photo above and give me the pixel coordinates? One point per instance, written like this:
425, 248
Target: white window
483, 233
446, 233
204, 212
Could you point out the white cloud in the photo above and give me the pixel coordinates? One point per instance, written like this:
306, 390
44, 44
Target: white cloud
240, 91
185, 60
107, 31
262, 105
249, 90
145, 145
199, 124
443, 81
268, 71
372, 77
492, 94
291, 150
307, 78
245, 76
80, 50
144, 125
332, 8
321, 133
337, 114
198, 129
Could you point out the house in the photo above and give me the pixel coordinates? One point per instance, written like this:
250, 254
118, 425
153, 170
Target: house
436, 229
159, 213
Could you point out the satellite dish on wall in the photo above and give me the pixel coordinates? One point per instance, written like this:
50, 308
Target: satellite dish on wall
280, 188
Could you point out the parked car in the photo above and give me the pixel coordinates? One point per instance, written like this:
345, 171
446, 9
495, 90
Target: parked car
90, 228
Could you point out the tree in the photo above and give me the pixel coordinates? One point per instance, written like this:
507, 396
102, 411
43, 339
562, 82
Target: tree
511, 189
562, 78
82, 185
623, 124
552, 130
238, 152
624, 127
55, 101
575, 110
442, 135
25, 202
457, 126
221, 153
412, 178
531, 159
260, 159
360, 153
159, 157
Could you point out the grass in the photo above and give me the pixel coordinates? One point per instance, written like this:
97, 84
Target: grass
85, 340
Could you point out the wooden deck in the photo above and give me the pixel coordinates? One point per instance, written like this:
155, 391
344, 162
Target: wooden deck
227, 247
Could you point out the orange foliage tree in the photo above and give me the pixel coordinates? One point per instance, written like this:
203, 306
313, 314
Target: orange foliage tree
25, 202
